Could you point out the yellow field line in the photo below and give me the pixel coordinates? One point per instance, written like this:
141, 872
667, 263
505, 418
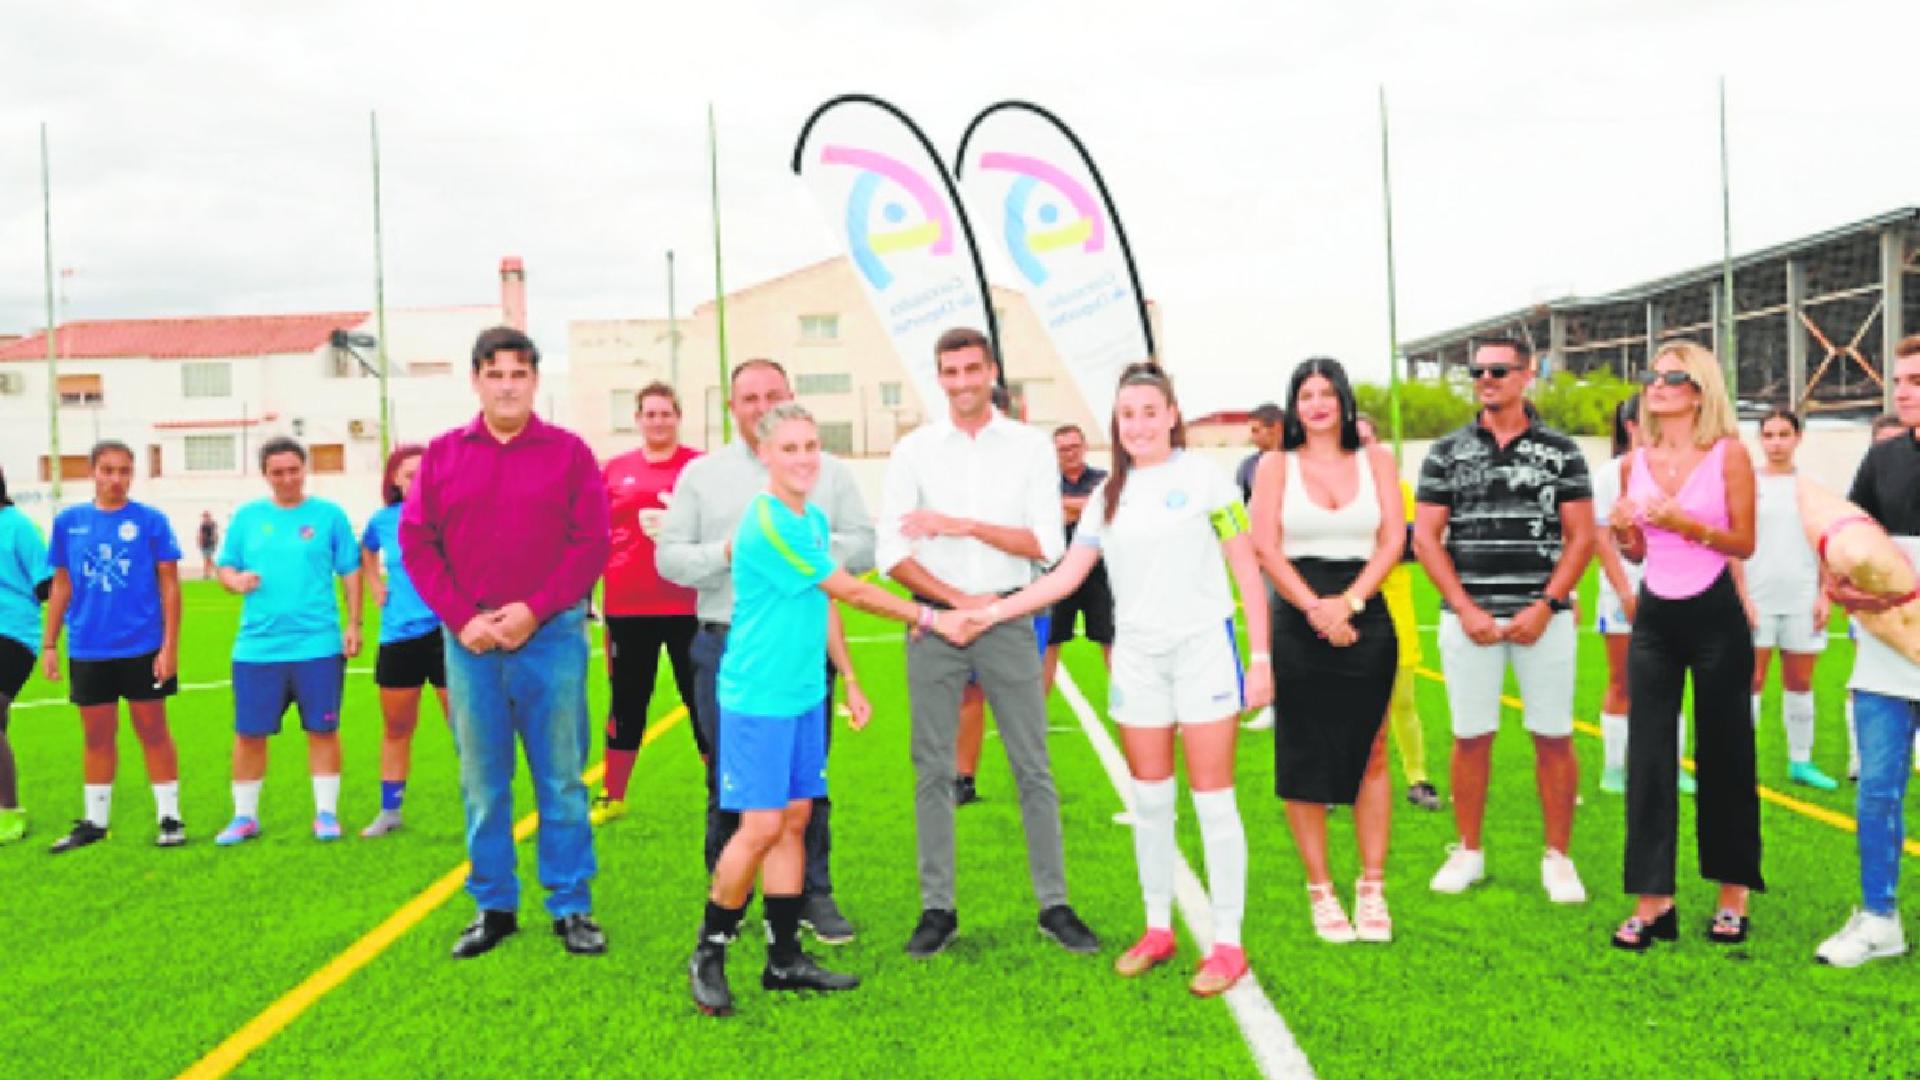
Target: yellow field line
1799, 806
224, 1058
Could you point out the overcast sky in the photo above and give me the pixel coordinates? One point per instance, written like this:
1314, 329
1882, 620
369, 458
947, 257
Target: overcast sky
213, 157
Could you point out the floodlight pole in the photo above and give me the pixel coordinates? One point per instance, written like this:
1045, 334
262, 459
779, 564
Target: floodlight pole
719, 280
55, 466
1393, 311
1729, 310
673, 329
380, 293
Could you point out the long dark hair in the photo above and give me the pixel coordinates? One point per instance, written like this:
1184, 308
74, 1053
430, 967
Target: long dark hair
1292, 434
1145, 373
5, 499
1791, 417
1627, 412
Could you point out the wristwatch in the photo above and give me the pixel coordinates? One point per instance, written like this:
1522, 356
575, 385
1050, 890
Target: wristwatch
1556, 605
1355, 604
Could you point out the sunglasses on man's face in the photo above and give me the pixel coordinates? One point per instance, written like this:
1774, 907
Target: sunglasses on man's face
1671, 378
1491, 371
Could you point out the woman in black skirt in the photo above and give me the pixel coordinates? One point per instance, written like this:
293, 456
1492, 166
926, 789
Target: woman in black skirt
1328, 525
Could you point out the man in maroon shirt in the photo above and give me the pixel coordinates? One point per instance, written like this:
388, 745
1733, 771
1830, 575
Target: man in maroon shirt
504, 534
645, 613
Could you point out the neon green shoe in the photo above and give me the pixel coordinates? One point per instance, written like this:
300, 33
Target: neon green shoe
605, 810
13, 825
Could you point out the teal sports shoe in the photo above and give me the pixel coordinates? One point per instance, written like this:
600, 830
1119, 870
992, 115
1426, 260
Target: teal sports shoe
238, 831
1687, 784
326, 826
1614, 781
1807, 774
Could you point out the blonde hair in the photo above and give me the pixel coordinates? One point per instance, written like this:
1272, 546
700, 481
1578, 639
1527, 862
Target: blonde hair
780, 414
1715, 420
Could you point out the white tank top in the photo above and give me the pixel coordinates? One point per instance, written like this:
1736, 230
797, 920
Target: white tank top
1311, 531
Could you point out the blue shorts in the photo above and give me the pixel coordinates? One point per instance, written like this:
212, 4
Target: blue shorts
767, 762
262, 692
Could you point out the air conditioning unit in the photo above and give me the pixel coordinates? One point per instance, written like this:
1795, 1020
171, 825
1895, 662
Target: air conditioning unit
363, 429
12, 382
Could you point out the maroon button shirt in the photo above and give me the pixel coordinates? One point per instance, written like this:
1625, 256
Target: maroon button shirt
488, 523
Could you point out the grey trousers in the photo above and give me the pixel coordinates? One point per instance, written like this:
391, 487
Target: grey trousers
1006, 661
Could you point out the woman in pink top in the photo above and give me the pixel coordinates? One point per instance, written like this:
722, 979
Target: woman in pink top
1687, 509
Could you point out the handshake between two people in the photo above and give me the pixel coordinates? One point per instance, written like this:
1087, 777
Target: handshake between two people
962, 625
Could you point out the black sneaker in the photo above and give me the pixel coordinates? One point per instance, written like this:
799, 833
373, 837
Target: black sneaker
1062, 925
965, 791
488, 929
707, 974
805, 974
934, 932
173, 833
582, 936
84, 832
821, 915
1424, 795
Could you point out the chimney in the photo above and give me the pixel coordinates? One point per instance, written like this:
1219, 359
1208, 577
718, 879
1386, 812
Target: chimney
513, 292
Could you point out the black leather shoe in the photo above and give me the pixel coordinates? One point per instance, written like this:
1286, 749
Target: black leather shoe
821, 915
582, 936
84, 833
965, 791
490, 928
1062, 925
933, 933
805, 974
707, 974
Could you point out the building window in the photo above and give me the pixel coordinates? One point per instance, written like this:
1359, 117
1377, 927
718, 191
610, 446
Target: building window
82, 390
211, 453
72, 467
824, 382
890, 395
206, 380
620, 409
836, 437
328, 457
819, 328
153, 459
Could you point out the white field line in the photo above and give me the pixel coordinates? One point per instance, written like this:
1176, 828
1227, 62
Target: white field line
1276, 1053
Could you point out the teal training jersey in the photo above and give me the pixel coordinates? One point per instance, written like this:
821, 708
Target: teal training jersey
776, 658
297, 551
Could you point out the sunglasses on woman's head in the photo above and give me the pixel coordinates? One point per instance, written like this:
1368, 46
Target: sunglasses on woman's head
1671, 378
1491, 371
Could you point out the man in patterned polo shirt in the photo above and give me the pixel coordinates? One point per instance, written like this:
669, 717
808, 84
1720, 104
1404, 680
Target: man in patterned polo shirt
1504, 527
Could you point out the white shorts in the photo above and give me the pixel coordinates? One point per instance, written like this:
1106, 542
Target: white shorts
1790, 633
1197, 681
1475, 674
1611, 620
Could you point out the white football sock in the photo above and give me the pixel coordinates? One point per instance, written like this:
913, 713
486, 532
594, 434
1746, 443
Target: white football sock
1797, 711
246, 799
1225, 841
1756, 712
100, 804
1613, 740
326, 794
1680, 740
1153, 846
1853, 741
166, 800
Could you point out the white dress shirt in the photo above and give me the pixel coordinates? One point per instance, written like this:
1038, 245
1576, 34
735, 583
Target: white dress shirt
1005, 475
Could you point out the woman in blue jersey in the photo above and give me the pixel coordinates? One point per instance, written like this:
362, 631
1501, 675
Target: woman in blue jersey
1171, 529
23, 585
412, 653
116, 593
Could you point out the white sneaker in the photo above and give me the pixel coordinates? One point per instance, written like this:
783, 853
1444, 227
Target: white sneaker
1462, 870
1865, 937
1261, 721
1560, 879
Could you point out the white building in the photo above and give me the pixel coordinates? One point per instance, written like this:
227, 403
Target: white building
195, 397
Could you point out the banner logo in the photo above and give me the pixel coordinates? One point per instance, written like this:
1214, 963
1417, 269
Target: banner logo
892, 186
1026, 243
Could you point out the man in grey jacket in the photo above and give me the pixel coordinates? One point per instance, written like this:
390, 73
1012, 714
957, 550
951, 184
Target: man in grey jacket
694, 548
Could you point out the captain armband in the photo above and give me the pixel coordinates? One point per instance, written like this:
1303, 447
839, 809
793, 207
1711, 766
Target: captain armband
1229, 521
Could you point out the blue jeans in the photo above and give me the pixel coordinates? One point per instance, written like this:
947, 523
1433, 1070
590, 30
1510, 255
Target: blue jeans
538, 693
1885, 726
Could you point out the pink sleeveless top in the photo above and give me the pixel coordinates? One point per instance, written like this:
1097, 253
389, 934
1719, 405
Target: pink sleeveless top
1677, 568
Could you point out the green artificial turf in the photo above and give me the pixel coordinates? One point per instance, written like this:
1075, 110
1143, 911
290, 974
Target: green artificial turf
125, 960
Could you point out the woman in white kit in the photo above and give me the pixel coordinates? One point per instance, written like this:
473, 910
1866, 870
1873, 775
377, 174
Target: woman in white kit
1169, 525
1781, 585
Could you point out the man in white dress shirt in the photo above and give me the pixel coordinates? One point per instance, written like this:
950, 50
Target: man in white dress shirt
971, 504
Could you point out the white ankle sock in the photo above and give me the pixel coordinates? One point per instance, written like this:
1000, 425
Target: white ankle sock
246, 799
1756, 711
1797, 710
1153, 846
326, 794
1225, 840
100, 804
166, 800
1613, 740
1680, 723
